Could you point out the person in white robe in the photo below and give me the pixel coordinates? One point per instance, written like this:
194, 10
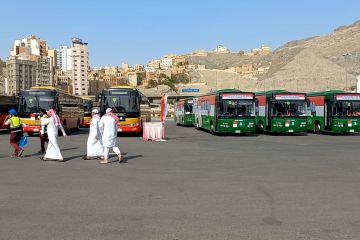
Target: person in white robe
94, 141
53, 124
108, 126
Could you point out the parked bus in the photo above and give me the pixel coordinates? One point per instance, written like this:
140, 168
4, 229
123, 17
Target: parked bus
132, 107
68, 107
282, 112
88, 106
225, 111
6, 103
334, 111
184, 112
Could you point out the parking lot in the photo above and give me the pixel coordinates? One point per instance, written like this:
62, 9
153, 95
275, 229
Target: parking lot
193, 186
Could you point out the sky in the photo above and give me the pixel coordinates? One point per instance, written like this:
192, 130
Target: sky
138, 31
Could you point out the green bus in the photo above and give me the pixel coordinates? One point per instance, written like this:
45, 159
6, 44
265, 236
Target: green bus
184, 112
281, 112
334, 111
225, 111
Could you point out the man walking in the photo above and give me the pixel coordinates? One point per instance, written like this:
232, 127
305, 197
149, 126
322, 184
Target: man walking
53, 124
108, 126
94, 144
16, 131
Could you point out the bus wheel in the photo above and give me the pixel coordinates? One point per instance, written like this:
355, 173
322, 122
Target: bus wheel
78, 125
30, 134
317, 128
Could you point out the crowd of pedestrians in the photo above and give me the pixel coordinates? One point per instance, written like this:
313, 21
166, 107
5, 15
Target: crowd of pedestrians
102, 135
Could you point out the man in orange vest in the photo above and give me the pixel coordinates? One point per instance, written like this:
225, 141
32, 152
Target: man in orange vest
16, 131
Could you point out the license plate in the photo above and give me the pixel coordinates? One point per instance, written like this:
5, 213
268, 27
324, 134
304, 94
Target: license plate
36, 130
291, 130
119, 130
352, 130
237, 131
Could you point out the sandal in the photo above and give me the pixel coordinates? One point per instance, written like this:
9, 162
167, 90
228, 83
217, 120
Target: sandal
42, 158
104, 162
121, 158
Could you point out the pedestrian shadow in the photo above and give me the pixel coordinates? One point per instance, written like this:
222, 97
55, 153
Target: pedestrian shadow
127, 158
67, 149
72, 158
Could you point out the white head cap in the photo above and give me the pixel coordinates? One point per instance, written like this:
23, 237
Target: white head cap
108, 110
95, 110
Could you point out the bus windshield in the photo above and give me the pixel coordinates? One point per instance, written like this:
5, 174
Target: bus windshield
347, 109
188, 108
289, 108
237, 108
87, 107
122, 103
33, 104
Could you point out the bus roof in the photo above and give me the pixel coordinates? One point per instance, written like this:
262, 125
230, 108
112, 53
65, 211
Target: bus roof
271, 92
50, 88
119, 87
219, 91
274, 92
325, 93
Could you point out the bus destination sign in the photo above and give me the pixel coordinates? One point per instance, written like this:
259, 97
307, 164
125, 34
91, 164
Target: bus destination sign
237, 96
290, 96
348, 97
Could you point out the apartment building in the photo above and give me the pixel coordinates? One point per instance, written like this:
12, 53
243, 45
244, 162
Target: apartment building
80, 67
21, 74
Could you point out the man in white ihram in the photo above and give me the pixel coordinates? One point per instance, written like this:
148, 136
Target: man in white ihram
94, 142
108, 126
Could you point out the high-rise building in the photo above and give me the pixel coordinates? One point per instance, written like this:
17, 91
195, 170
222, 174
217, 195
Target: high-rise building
28, 65
64, 58
21, 74
52, 54
80, 67
43, 72
31, 48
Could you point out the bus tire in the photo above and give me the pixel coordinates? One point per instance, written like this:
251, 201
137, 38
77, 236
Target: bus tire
78, 125
317, 127
30, 134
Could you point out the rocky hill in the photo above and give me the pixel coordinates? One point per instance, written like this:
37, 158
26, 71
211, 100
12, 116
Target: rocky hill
316, 63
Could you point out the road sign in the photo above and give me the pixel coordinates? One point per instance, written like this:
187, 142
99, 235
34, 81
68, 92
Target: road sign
190, 90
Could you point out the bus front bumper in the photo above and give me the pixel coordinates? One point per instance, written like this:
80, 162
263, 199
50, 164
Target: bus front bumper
86, 123
31, 128
129, 128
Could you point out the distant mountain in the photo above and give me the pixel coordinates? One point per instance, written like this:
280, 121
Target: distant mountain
316, 63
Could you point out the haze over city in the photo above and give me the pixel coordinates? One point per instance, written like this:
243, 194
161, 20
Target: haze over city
124, 31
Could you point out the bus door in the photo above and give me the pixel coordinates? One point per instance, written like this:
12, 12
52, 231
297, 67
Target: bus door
268, 114
328, 114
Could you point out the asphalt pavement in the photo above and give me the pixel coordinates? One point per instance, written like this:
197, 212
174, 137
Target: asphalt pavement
193, 186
